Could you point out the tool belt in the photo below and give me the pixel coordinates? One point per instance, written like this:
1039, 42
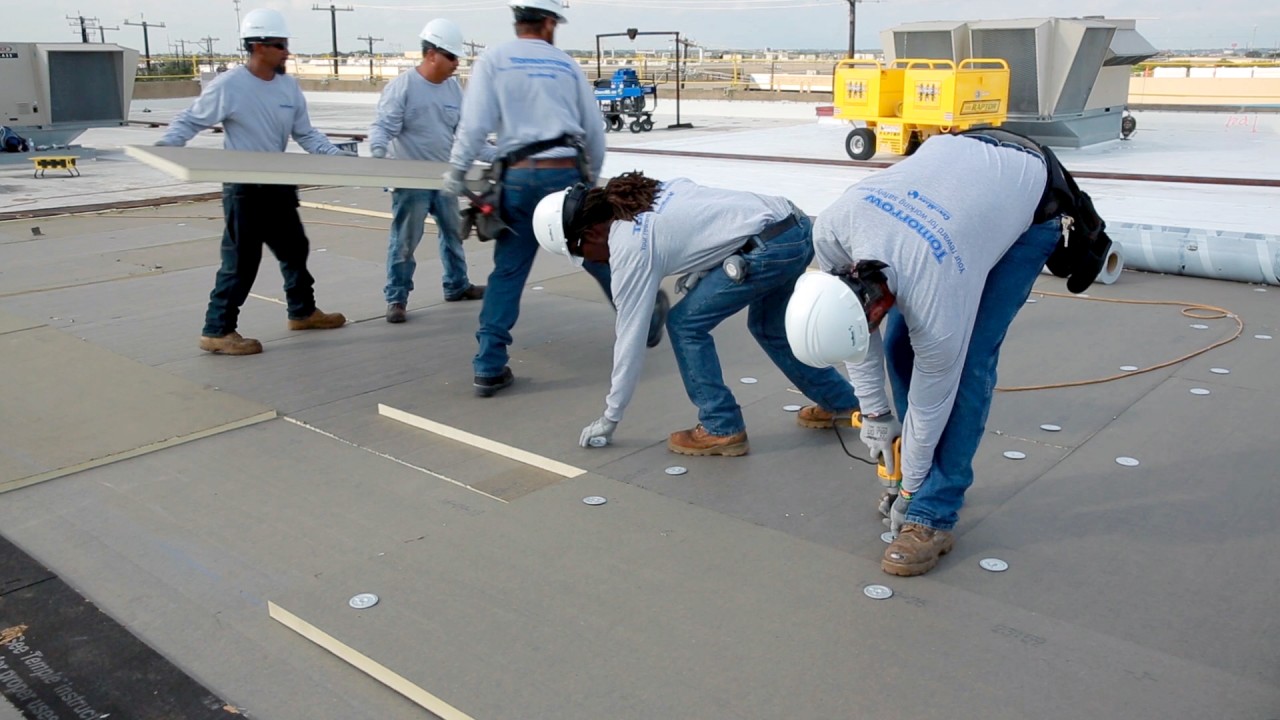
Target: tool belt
491, 225
1083, 248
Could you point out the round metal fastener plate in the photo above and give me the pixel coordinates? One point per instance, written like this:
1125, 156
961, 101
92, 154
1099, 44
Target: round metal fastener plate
886, 537
1199, 326
1048, 427
1127, 461
677, 470
1031, 301
363, 600
1128, 368
993, 564
1015, 455
1199, 391
594, 500
1220, 371
748, 381
877, 592
791, 408
1262, 337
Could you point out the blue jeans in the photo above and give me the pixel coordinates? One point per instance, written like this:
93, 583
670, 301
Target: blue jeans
258, 215
937, 503
771, 276
409, 210
513, 255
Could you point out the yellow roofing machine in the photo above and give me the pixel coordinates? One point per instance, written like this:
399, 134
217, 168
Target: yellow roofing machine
906, 102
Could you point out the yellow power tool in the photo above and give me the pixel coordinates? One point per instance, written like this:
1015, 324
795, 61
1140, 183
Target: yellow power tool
888, 480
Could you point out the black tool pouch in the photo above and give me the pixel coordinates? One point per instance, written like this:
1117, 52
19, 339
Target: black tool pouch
491, 226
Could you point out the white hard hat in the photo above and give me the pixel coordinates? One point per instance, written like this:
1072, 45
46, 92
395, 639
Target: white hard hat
825, 321
548, 225
263, 23
551, 6
445, 35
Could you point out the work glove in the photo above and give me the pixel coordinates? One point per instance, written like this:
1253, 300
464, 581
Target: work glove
378, 152
685, 283
598, 433
887, 499
898, 513
455, 182
878, 434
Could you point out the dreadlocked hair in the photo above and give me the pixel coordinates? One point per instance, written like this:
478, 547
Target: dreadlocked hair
627, 195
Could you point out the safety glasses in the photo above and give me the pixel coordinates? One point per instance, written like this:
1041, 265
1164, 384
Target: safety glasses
448, 55
279, 45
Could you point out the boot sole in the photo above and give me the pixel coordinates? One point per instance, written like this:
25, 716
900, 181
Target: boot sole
485, 391
821, 424
913, 569
725, 450
315, 327
250, 350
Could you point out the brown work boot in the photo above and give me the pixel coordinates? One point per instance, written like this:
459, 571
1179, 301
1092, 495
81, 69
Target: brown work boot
396, 313
916, 550
475, 292
700, 442
230, 344
813, 416
318, 320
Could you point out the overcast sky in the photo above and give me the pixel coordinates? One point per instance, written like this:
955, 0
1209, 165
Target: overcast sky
745, 24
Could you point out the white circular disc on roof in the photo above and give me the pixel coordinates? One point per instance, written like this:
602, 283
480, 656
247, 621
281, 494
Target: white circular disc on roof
748, 381
1220, 371
363, 600
1049, 427
1262, 337
1015, 455
1127, 461
1259, 289
1129, 368
993, 564
677, 470
791, 408
1199, 326
886, 537
1199, 391
538, 287
594, 500
877, 592
1031, 301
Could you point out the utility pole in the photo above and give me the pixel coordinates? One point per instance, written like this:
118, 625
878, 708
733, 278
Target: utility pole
208, 44
146, 40
853, 26
84, 29
473, 46
102, 33
371, 40
333, 22
239, 46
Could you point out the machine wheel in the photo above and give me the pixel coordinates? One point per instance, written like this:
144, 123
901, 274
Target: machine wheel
646, 124
861, 143
607, 124
617, 123
913, 144
634, 126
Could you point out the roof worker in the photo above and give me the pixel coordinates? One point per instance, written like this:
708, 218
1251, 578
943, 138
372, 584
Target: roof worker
418, 115
734, 249
260, 108
550, 136
939, 252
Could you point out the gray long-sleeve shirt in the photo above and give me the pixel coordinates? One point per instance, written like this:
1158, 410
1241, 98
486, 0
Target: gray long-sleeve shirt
527, 90
690, 229
941, 220
417, 118
257, 115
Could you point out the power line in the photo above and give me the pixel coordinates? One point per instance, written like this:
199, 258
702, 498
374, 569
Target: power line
333, 21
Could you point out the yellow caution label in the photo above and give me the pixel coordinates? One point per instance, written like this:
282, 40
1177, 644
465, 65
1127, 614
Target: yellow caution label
979, 107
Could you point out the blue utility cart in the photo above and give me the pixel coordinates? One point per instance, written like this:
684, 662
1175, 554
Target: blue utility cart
623, 98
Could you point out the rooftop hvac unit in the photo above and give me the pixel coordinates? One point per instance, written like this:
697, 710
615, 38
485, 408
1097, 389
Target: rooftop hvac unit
52, 92
1069, 77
